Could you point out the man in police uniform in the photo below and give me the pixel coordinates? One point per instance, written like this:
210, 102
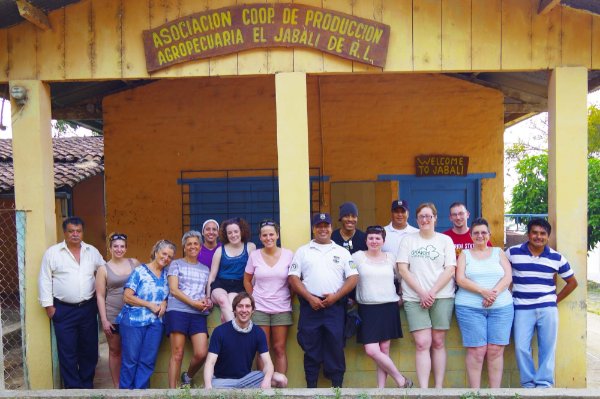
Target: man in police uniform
322, 274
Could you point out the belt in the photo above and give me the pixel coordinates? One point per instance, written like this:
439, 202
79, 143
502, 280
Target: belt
75, 305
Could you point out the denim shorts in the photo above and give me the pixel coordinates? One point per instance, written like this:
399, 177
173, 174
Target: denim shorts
480, 327
185, 323
228, 285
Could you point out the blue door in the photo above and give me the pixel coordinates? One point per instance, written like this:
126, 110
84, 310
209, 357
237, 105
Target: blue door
442, 191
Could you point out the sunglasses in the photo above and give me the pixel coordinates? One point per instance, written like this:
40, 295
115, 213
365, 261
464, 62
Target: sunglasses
267, 223
377, 229
118, 236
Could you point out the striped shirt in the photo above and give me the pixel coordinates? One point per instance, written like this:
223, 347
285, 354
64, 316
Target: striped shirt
533, 276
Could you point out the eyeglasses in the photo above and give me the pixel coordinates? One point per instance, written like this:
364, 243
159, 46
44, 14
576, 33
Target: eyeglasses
425, 217
118, 236
457, 214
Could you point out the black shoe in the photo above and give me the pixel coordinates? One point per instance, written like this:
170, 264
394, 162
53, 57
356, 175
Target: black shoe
185, 379
311, 384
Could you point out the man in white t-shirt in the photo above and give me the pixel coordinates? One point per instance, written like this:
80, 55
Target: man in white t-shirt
322, 273
398, 227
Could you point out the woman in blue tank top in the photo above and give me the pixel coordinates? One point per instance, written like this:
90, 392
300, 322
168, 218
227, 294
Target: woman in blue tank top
226, 278
484, 305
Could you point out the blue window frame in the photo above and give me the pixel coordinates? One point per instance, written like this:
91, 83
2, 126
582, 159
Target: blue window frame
253, 198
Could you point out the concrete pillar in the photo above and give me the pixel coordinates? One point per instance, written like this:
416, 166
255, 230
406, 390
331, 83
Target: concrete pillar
567, 211
34, 193
292, 153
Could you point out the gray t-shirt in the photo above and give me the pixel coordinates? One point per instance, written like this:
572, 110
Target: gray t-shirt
192, 282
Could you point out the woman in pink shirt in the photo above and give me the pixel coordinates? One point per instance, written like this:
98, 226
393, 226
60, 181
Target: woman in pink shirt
265, 278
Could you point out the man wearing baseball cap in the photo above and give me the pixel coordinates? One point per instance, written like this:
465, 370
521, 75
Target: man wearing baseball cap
322, 273
348, 236
398, 227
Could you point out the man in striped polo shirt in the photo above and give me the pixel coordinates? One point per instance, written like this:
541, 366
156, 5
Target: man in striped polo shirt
534, 268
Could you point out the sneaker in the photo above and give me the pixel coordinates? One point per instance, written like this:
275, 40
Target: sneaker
185, 379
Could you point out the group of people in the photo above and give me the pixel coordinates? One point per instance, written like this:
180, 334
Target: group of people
381, 269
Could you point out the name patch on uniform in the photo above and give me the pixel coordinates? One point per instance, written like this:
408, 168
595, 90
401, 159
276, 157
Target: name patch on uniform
336, 259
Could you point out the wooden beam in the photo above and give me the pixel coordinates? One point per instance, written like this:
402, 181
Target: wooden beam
33, 14
513, 119
516, 108
590, 6
508, 91
547, 5
77, 112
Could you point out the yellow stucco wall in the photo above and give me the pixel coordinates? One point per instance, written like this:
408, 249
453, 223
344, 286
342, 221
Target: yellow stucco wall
101, 39
359, 127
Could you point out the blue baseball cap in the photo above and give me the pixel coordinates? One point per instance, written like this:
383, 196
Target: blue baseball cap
320, 218
400, 204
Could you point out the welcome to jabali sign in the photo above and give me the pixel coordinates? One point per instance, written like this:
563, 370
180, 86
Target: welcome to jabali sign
441, 165
237, 28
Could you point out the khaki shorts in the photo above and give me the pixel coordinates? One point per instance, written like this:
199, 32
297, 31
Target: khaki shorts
277, 319
437, 317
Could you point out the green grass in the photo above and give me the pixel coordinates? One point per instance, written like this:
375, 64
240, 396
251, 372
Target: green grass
593, 299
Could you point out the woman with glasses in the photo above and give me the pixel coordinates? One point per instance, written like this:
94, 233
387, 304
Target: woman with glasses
266, 279
484, 306
210, 243
140, 319
110, 280
187, 309
378, 306
226, 278
426, 262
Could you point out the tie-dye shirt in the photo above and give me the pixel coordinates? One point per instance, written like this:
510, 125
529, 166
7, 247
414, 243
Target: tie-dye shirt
148, 287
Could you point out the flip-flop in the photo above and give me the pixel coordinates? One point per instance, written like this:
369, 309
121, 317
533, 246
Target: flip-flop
407, 383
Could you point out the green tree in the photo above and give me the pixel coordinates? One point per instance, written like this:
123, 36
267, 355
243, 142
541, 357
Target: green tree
530, 194
594, 130
593, 202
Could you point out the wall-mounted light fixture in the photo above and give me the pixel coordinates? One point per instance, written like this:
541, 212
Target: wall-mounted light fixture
19, 94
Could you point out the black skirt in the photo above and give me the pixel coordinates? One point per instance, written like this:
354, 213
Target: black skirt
380, 322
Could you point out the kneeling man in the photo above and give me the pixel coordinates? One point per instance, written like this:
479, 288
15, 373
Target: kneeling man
232, 348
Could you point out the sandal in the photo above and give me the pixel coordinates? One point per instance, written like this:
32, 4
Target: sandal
407, 383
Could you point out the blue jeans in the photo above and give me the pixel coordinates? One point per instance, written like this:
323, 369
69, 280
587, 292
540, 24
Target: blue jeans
139, 348
545, 322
